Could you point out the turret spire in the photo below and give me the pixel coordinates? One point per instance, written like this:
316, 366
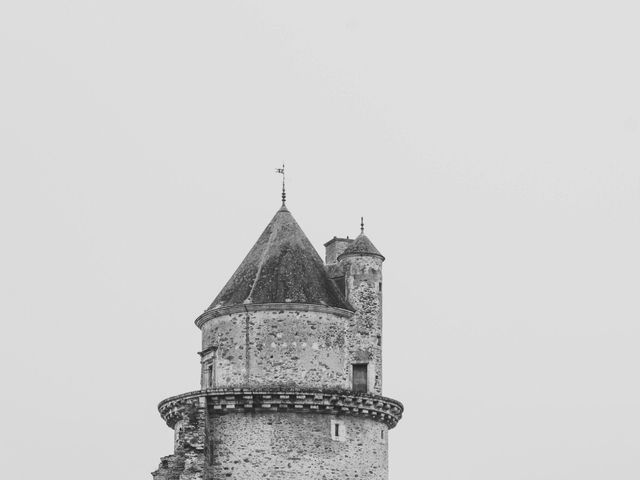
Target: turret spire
284, 192
361, 246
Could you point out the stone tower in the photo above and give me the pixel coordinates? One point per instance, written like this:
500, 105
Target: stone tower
291, 368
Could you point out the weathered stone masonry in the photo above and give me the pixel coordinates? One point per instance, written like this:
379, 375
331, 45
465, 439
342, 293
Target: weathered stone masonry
291, 368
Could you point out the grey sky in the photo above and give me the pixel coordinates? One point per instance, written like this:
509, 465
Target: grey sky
493, 148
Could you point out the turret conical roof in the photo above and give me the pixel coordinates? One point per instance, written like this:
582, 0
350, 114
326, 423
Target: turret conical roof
361, 246
282, 267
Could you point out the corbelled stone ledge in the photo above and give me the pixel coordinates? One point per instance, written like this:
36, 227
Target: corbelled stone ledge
336, 402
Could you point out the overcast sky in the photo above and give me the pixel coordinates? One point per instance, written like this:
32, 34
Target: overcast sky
493, 148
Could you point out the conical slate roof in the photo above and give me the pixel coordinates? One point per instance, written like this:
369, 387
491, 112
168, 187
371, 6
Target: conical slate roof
361, 246
282, 267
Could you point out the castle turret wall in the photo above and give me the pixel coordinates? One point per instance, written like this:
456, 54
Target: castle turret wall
283, 347
297, 446
363, 285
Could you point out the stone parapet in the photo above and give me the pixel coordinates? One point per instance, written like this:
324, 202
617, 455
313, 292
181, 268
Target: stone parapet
336, 402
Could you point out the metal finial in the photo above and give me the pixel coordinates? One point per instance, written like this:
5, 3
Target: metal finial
284, 192
361, 224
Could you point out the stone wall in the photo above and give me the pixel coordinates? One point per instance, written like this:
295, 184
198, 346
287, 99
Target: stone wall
293, 348
244, 434
300, 348
187, 461
296, 446
363, 279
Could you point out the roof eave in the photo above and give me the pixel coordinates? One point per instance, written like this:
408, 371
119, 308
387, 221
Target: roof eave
256, 307
360, 254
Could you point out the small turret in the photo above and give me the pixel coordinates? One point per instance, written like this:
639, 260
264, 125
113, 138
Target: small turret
358, 273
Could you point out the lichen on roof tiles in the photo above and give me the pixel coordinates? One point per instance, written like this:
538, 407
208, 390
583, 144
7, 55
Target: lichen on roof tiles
361, 246
282, 267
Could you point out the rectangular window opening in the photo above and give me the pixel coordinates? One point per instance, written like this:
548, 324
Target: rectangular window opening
209, 360
360, 377
210, 379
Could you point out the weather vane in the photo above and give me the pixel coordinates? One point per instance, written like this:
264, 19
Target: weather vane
361, 224
284, 193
